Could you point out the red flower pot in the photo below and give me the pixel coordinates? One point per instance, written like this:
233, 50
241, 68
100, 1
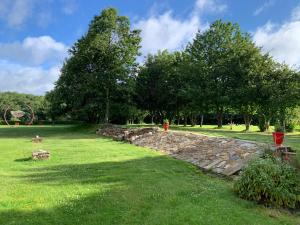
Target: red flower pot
166, 126
278, 138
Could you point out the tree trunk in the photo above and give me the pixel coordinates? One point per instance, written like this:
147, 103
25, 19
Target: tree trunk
201, 120
220, 119
267, 125
152, 119
98, 118
247, 119
267, 122
106, 120
192, 120
185, 120
231, 122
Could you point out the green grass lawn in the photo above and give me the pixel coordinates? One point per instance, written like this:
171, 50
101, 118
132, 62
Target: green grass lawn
91, 180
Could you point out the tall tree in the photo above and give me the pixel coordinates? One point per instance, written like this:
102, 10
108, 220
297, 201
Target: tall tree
278, 93
99, 64
249, 67
158, 85
211, 54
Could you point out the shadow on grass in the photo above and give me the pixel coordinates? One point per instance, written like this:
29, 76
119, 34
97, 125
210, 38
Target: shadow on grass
150, 190
23, 159
57, 131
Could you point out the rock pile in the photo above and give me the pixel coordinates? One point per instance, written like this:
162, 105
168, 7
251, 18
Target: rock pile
126, 134
40, 155
37, 139
224, 156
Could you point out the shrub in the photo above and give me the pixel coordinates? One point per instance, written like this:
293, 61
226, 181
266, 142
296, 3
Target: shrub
290, 126
166, 121
261, 124
269, 181
278, 127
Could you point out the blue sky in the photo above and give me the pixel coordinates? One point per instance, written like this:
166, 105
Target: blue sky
35, 34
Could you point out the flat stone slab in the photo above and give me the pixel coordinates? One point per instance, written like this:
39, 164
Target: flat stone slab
37, 140
224, 156
40, 155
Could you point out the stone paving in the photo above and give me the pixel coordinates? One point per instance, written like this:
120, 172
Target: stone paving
224, 156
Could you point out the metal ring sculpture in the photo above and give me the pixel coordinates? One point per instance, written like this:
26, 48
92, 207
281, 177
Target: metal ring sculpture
28, 106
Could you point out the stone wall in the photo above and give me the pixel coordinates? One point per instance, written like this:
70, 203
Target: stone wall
126, 134
224, 156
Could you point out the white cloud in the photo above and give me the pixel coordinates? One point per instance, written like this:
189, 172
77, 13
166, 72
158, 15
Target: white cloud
263, 7
16, 12
281, 41
26, 79
69, 7
31, 66
296, 13
34, 51
165, 31
210, 6
44, 18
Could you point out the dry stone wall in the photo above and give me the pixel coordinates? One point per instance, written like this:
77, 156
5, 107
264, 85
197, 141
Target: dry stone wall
224, 156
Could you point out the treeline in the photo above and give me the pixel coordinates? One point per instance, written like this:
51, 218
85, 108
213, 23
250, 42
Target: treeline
17, 101
220, 72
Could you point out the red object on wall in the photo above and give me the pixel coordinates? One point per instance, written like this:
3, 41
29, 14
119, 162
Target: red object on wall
166, 126
278, 138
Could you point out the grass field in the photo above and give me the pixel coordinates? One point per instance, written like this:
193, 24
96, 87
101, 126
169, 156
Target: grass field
91, 180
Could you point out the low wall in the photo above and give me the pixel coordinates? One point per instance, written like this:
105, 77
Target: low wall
224, 156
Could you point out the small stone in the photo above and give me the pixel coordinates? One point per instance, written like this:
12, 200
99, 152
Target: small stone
233, 169
212, 164
221, 164
40, 155
37, 139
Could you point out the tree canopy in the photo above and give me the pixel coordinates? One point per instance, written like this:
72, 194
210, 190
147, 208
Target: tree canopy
221, 72
100, 68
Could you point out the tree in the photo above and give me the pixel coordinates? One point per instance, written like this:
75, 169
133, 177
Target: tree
212, 55
101, 63
18, 101
250, 67
158, 85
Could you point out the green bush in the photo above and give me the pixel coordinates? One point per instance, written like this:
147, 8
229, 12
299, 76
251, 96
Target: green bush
261, 124
290, 126
269, 181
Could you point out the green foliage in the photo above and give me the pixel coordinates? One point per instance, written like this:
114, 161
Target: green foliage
159, 84
220, 72
100, 70
278, 93
290, 126
289, 117
262, 124
18, 101
211, 54
269, 181
278, 127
